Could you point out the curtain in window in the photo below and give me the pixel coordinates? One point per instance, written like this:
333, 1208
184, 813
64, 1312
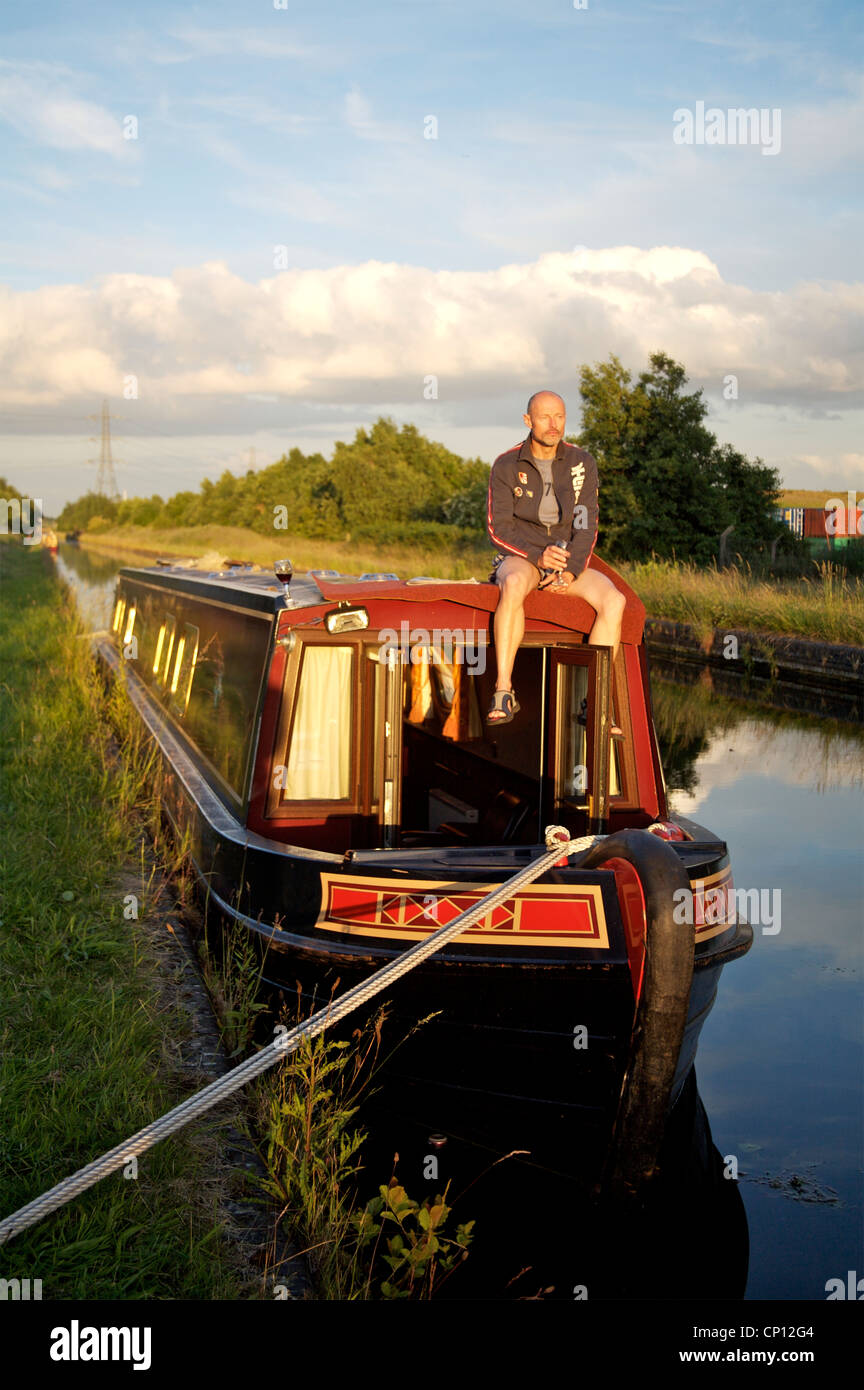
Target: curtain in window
319, 764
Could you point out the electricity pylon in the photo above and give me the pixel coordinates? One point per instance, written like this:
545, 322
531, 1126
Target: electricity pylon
106, 483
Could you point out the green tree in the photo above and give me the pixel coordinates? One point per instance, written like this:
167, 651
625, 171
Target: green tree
751, 493
77, 514
468, 507
608, 432
8, 491
667, 487
679, 504
389, 475
139, 511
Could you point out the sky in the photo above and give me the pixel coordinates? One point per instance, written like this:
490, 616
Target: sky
249, 226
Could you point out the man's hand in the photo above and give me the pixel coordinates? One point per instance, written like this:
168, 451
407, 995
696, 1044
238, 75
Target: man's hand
554, 557
557, 582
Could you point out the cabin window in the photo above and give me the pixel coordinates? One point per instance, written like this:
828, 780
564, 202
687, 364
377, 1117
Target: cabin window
379, 715
146, 632
119, 610
573, 765
222, 682
130, 625
205, 662
320, 758
185, 657
165, 649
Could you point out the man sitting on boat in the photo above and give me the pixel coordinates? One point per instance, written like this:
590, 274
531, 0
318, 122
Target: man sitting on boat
542, 514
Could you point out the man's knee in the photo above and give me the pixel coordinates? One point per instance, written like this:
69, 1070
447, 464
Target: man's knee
515, 585
616, 605
609, 603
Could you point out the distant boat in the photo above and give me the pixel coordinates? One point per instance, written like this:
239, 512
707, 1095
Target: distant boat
328, 757
73, 537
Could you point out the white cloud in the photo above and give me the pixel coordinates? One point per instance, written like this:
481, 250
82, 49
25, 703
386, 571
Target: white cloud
210, 43
373, 331
835, 468
791, 757
32, 100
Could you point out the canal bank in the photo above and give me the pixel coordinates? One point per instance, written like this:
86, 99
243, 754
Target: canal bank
104, 1022
795, 673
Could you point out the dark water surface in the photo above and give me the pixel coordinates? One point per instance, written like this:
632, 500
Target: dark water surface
780, 1058
781, 1062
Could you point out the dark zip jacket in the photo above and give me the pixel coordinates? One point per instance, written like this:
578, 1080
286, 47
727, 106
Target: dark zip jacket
515, 493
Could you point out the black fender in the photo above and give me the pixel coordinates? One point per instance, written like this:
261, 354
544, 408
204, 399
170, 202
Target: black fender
661, 1012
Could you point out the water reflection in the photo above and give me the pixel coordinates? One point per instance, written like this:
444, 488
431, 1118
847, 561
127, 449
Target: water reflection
695, 725
780, 1059
541, 1234
92, 575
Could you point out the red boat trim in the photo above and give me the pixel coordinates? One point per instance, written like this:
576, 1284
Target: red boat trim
631, 900
711, 904
414, 909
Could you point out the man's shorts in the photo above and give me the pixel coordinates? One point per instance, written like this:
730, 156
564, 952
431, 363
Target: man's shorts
498, 562
496, 565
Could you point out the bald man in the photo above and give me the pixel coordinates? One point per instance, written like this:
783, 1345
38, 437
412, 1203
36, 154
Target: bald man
542, 514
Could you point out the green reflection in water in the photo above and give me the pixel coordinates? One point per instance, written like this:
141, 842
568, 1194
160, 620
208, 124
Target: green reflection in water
689, 717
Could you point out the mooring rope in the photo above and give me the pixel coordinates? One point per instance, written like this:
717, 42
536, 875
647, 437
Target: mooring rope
560, 846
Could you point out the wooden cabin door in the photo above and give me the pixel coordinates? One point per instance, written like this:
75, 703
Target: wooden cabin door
388, 726
579, 751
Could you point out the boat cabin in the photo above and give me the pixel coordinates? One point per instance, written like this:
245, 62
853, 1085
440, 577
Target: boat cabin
350, 716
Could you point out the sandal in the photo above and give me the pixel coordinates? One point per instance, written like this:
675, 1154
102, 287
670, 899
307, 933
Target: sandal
503, 707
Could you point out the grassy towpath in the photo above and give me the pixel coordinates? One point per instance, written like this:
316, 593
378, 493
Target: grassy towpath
825, 608
91, 1030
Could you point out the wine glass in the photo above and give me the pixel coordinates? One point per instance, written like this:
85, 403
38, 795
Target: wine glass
284, 571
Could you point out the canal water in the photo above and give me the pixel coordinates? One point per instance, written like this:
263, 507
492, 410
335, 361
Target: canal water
780, 1064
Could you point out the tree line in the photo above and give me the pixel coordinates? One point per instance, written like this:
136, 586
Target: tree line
667, 487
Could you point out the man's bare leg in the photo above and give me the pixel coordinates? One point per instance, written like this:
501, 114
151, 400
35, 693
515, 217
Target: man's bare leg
608, 603
516, 578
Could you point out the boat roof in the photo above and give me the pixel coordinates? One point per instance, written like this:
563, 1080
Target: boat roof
256, 589
260, 590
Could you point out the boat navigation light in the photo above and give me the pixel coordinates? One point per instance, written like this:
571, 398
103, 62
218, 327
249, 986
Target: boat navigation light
345, 619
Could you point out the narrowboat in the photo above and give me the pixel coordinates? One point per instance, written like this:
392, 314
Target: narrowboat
324, 751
